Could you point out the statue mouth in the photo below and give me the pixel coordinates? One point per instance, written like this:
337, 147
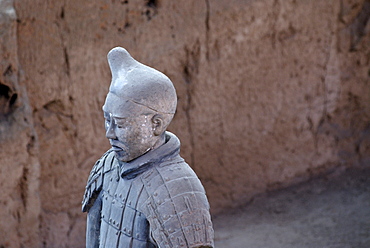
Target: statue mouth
116, 148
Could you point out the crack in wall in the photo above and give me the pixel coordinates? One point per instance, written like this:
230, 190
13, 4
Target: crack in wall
275, 16
66, 60
358, 26
190, 69
23, 185
220, 155
188, 81
61, 30
207, 25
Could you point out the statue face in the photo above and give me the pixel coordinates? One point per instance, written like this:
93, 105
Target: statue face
130, 134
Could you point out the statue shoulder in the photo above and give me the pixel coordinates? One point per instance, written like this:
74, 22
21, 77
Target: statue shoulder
178, 209
95, 180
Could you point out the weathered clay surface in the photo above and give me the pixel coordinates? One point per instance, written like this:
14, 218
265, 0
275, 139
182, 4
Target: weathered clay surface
19, 165
270, 93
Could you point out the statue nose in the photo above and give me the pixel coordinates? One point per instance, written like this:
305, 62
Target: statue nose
110, 134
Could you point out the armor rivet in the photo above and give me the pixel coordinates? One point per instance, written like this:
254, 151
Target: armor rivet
102, 216
110, 220
137, 236
117, 232
106, 198
114, 222
115, 195
111, 179
108, 191
129, 203
121, 205
129, 231
149, 184
124, 229
113, 201
120, 195
166, 179
155, 194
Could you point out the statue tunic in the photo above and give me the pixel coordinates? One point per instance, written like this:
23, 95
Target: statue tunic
155, 200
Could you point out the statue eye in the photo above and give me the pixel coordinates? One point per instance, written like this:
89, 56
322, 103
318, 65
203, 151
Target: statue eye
107, 119
107, 123
120, 124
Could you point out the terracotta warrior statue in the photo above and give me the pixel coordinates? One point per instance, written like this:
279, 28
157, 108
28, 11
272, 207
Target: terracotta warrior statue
141, 193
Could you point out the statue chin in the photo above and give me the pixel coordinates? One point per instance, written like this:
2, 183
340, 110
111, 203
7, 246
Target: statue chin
122, 155
125, 156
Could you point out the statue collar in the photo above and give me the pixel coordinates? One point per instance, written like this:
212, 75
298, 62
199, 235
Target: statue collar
137, 166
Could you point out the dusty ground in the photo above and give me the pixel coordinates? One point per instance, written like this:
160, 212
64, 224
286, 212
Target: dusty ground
327, 212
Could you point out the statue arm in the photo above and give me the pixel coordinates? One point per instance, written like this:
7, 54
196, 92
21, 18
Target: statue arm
93, 223
92, 201
178, 212
95, 181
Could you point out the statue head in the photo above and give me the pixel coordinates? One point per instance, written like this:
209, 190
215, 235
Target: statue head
139, 106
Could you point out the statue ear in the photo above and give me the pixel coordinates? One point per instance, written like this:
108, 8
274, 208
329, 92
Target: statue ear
157, 124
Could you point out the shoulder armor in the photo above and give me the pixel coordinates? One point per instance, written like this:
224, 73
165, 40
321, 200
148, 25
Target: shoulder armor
177, 208
95, 180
